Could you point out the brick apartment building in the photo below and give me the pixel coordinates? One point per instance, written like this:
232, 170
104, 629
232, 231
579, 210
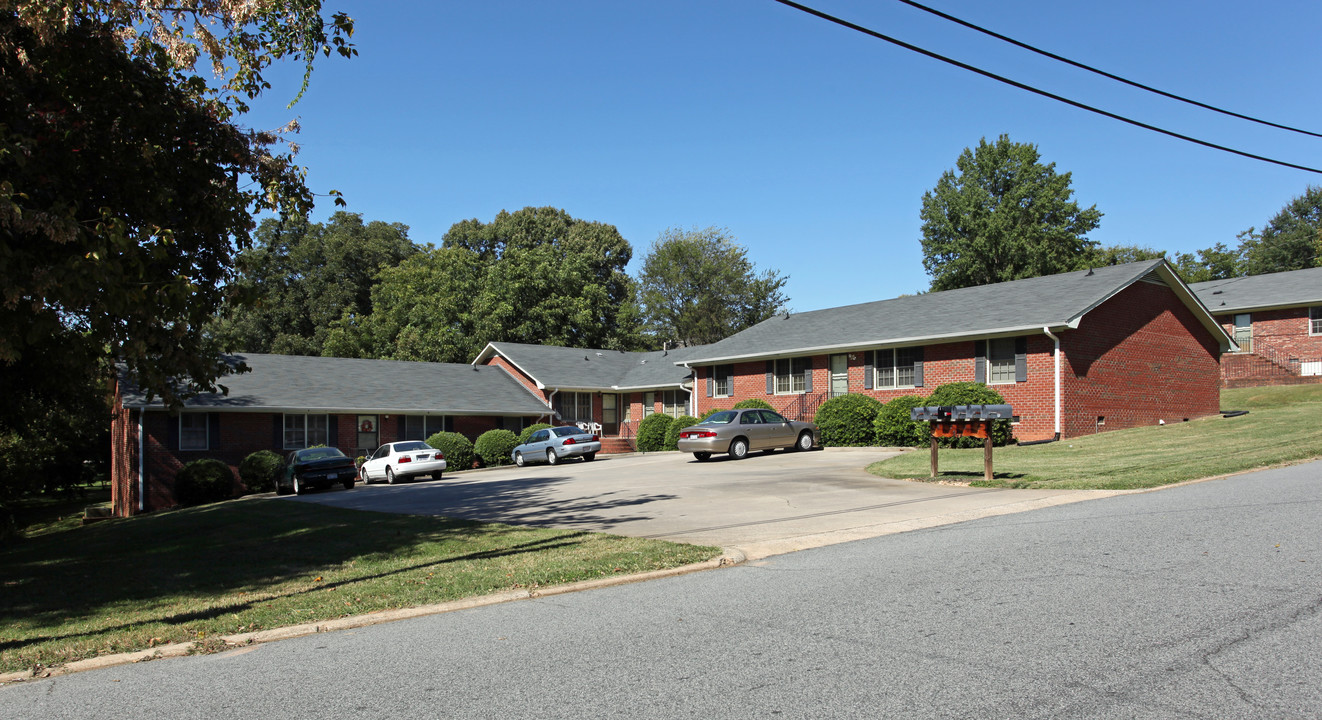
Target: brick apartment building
1276, 320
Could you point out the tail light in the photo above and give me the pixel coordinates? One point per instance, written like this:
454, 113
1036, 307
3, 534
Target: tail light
405, 458
569, 441
595, 438
698, 434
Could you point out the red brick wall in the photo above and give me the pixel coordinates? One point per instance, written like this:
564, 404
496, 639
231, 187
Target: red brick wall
1139, 358
1285, 331
1280, 343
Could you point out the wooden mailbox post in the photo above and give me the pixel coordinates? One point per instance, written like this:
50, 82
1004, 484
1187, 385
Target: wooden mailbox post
963, 421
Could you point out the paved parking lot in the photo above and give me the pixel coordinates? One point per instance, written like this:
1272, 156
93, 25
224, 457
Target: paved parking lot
764, 505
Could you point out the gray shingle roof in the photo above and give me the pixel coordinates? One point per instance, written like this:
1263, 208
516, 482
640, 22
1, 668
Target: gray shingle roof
592, 369
299, 383
1017, 307
1258, 292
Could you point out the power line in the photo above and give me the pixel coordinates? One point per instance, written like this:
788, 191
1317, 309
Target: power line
1103, 73
1043, 93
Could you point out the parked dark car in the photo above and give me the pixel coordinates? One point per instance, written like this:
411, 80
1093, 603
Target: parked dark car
318, 467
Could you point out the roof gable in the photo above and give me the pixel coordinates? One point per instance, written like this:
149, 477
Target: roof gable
1295, 288
557, 367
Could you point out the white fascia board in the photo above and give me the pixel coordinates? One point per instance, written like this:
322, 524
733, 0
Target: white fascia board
340, 410
1259, 308
652, 387
1034, 328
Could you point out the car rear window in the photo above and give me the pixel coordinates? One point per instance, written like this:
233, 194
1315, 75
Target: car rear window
566, 431
319, 454
410, 446
724, 417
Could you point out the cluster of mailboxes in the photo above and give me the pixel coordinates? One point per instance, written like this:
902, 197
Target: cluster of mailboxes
961, 420
955, 413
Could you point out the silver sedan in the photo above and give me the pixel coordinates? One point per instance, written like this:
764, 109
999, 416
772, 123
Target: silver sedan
551, 445
739, 431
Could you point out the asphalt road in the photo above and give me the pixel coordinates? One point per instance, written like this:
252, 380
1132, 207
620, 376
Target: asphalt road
763, 505
1199, 601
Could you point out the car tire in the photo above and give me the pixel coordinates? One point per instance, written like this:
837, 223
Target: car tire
390, 476
739, 449
552, 458
589, 457
348, 484
702, 456
805, 442
362, 475
280, 489
298, 486
518, 459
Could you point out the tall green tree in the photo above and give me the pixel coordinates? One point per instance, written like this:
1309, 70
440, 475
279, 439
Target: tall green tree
536, 275
300, 277
1003, 215
1291, 240
1215, 263
698, 286
1121, 254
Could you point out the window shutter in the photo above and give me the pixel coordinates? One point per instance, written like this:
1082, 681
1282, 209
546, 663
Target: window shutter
1021, 359
278, 432
807, 375
400, 428
918, 367
213, 431
771, 376
980, 361
332, 431
867, 369
174, 431
711, 381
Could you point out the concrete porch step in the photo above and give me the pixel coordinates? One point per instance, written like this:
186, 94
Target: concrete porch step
615, 446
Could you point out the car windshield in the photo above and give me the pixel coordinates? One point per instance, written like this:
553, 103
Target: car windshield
318, 454
566, 431
410, 446
724, 417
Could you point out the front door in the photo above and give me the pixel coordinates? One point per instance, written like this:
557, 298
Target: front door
1244, 332
610, 414
839, 375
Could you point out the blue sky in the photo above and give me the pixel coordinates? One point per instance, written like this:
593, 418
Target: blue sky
811, 143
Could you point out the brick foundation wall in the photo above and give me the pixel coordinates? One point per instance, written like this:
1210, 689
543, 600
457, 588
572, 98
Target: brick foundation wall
1140, 358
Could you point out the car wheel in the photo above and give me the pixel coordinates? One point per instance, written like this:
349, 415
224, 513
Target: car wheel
348, 484
589, 457
390, 476
552, 458
518, 459
702, 456
739, 449
298, 486
805, 441
362, 475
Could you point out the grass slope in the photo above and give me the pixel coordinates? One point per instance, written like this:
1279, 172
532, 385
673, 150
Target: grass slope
260, 563
1281, 427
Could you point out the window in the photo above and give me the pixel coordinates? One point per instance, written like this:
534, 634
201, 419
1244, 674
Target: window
724, 380
305, 431
574, 407
649, 403
675, 403
1000, 361
895, 367
790, 375
1244, 332
421, 427
1315, 320
193, 431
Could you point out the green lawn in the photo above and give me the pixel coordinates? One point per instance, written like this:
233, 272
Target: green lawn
259, 563
1281, 427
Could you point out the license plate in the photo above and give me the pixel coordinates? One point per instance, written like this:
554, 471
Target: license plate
332, 476
423, 457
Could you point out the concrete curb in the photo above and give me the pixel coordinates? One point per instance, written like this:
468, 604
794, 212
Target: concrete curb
729, 558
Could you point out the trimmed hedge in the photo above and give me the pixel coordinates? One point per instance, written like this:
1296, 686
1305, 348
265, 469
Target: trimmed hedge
456, 448
751, 403
259, 470
971, 393
895, 429
203, 481
847, 420
652, 432
495, 447
528, 431
672, 432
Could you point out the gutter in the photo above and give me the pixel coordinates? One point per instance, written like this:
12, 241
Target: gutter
1056, 355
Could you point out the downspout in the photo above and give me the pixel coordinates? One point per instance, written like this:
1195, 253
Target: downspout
550, 404
1055, 339
142, 481
693, 398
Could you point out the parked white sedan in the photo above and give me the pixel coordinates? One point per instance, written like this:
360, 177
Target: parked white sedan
400, 460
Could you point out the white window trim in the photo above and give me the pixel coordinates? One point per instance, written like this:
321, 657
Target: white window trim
716, 382
877, 384
1315, 323
790, 375
206, 432
284, 437
990, 371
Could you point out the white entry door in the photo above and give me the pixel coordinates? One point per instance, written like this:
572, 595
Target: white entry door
839, 375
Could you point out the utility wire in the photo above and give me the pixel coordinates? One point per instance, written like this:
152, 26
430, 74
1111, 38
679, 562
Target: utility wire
1030, 88
1103, 73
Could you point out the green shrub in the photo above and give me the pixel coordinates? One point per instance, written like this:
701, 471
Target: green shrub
652, 432
895, 429
494, 447
528, 431
751, 403
847, 420
259, 470
672, 432
971, 393
203, 481
456, 448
